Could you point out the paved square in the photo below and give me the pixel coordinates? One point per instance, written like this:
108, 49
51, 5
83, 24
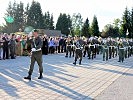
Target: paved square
62, 80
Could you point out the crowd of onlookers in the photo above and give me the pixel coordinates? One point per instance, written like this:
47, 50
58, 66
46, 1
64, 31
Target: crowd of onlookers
12, 45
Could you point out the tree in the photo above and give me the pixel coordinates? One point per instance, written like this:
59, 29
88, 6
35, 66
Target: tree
77, 22
94, 27
19, 16
125, 22
10, 12
70, 25
131, 24
116, 26
48, 21
110, 30
85, 29
26, 13
51, 23
63, 24
35, 16
15, 12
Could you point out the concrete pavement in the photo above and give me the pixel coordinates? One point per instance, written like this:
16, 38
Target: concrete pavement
62, 80
121, 89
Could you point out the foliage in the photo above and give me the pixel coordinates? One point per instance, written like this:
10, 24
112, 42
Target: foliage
125, 23
77, 22
86, 29
94, 27
16, 11
64, 24
110, 30
35, 16
32, 16
48, 21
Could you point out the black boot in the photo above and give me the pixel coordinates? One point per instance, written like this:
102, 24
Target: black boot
66, 56
79, 62
40, 77
74, 63
28, 77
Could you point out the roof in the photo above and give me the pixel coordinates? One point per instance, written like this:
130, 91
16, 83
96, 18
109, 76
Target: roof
20, 33
50, 32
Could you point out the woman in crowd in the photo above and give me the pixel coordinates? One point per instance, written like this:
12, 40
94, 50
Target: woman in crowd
45, 46
19, 47
56, 41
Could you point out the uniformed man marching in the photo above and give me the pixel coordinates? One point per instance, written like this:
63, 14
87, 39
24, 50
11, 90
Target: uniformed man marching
69, 44
36, 55
121, 51
105, 49
78, 50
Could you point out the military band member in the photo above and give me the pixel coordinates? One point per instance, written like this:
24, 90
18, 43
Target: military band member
86, 48
114, 48
73, 46
93, 48
105, 49
78, 50
121, 52
100, 45
110, 48
125, 44
36, 55
131, 47
69, 44
89, 50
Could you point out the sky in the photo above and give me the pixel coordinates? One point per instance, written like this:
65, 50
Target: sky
105, 10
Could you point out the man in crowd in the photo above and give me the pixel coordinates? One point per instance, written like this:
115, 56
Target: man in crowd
5, 46
12, 46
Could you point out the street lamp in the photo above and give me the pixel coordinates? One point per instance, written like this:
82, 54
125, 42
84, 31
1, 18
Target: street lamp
127, 33
69, 31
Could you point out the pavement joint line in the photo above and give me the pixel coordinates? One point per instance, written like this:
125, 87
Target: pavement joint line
83, 73
105, 82
93, 95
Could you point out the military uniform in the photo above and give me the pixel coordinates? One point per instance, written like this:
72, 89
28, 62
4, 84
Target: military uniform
110, 49
68, 47
125, 44
105, 51
89, 50
86, 48
73, 47
114, 49
93, 48
78, 51
131, 47
36, 55
121, 52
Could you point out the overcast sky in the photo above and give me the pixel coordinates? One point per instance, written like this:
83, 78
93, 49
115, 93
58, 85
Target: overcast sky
105, 10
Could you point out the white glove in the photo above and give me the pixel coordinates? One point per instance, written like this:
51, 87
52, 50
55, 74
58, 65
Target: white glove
33, 49
81, 47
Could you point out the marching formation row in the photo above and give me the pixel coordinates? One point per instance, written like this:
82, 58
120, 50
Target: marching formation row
109, 47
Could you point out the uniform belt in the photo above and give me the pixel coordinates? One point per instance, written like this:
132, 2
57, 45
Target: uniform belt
37, 50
